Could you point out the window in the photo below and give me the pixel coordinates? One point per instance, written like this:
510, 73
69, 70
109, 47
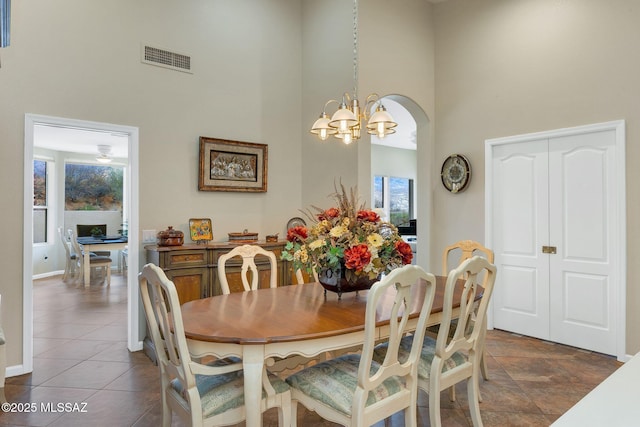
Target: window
40, 205
395, 196
93, 188
400, 201
5, 22
378, 192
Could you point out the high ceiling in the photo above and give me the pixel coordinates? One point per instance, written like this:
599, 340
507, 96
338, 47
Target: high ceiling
82, 141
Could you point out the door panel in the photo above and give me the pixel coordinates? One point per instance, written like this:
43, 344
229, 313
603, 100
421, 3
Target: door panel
520, 224
559, 192
581, 226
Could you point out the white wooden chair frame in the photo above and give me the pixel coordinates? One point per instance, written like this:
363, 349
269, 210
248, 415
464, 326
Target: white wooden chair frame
96, 262
162, 309
468, 337
403, 279
248, 254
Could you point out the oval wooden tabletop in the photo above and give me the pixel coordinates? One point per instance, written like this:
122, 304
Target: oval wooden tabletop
288, 313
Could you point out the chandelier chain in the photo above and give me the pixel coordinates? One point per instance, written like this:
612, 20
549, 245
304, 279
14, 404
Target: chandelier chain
355, 49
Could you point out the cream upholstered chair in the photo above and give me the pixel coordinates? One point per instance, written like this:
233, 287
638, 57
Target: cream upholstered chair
71, 264
97, 261
446, 361
300, 277
465, 249
248, 254
3, 358
202, 395
356, 390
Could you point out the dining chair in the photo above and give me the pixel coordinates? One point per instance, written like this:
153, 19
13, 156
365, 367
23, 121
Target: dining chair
91, 230
300, 279
354, 389
446, 361
71, 258
202, 395
452, 256
96, 261
248, 254
3, 358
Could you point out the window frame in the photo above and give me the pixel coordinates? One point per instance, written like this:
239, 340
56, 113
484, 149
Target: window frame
46, 208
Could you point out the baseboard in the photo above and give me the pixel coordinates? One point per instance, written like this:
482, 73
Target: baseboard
15, 370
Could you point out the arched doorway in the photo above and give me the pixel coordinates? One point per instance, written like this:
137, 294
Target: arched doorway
413, 128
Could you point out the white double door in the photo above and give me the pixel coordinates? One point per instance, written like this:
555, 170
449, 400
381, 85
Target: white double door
554, 227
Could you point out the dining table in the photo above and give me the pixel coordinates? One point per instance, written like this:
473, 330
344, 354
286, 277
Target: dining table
91, 244
260, 326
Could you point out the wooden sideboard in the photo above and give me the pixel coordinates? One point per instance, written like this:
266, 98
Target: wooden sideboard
194, 268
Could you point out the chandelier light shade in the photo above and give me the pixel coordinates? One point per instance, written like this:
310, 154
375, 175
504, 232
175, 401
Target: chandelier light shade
347, 121
381, 123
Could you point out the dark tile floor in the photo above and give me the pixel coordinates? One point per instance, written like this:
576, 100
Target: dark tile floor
80, 356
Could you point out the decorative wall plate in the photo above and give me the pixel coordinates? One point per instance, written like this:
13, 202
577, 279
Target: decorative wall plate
200, 229
456, 173
296, 222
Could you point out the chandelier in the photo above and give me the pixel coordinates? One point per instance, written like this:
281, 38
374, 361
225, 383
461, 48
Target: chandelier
347, 121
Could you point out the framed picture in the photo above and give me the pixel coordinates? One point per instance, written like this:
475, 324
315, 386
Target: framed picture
200, 229
232, 166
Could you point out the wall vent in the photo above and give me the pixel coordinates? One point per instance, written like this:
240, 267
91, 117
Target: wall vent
166, 59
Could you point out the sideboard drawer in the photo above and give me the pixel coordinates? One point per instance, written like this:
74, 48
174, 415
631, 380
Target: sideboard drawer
183, 259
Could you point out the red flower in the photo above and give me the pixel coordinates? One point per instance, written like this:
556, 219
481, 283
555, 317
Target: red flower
357, 257
370, 216
329, 213
405, 251
297, 233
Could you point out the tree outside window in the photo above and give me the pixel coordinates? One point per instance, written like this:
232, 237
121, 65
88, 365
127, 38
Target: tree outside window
93, 188
40, 206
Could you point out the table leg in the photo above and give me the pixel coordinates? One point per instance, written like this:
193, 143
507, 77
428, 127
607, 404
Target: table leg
253, 366
86, 264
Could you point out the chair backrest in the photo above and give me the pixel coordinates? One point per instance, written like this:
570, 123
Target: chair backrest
65, 242
300, 277
248, 254
410, 283
75, 246
467, 249
88, 230
479, 275
164, 318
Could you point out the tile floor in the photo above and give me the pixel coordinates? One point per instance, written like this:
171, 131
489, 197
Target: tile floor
80, 356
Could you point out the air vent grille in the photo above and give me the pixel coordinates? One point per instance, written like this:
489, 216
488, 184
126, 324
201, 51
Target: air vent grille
166, 59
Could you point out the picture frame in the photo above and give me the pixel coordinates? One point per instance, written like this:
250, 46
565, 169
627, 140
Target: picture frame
200, 229
227, 165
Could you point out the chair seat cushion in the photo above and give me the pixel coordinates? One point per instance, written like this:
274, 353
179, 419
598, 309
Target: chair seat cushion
426, 355
99, 258
220, 393
334, 382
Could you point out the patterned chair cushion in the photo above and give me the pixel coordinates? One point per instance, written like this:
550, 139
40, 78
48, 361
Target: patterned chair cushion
334, 382
220, 393
426, 356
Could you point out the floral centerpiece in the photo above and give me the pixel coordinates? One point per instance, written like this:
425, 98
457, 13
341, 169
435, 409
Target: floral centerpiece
346, 240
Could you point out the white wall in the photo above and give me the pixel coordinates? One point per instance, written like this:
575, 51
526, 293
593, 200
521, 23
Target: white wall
514, 67
262, 72
81, 60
